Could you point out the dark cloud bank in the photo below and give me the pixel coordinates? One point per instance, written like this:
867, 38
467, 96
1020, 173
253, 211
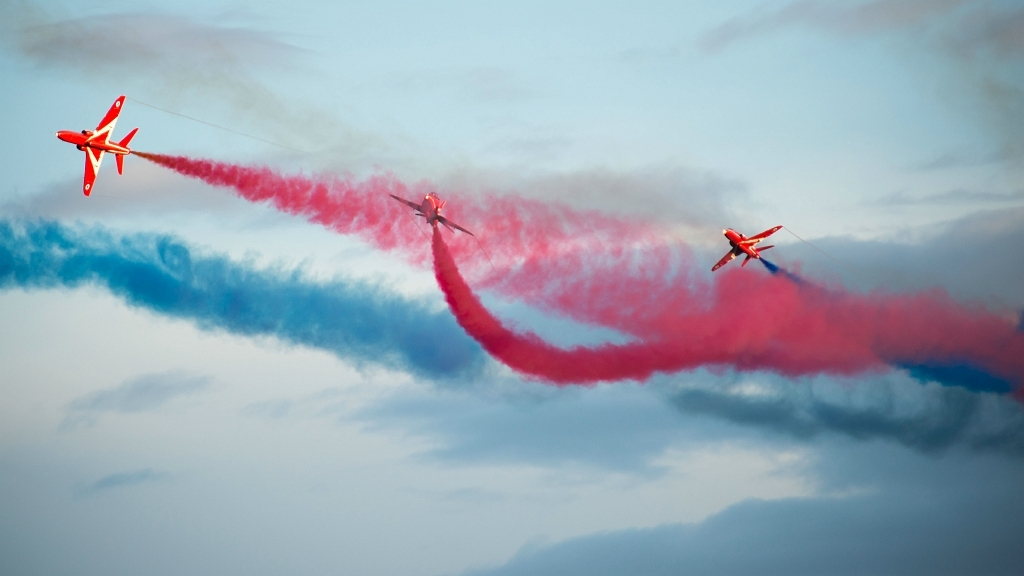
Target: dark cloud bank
928, 418
883, 512
892, 533
626, 427
973, 257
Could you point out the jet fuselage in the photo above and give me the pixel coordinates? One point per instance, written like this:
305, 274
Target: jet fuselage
736, 240
81, 141
740, 244
431, 208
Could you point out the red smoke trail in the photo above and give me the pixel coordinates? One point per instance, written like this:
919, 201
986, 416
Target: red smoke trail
535, 237
560, 259
786, 328
527, 353
621, 274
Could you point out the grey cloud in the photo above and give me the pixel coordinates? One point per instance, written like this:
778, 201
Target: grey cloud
955, 160
180, 63
958, 196
179, 53
953, 515
145, 190
104, 44
121, 480
925, 417
668, 193
971, 258
999, 33
621, 427
981, 39
857, 535
849, 18
141, 394
987, 46
626, 427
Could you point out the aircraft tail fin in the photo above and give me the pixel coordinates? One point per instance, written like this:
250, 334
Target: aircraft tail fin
747, 259
119, 158
124, 141
763, 248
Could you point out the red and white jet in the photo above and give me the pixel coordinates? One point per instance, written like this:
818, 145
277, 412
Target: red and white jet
743, 245
430, 209
96, 143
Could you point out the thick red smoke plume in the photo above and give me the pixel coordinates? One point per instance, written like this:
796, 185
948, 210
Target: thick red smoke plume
528, 353
586, 265
526, 237
797, 329
626, 275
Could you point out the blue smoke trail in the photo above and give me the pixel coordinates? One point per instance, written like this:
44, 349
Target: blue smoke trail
948, 374
774, 269
963, 375
357, 321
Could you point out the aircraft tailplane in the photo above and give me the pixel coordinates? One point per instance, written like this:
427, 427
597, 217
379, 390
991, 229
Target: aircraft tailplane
124, 144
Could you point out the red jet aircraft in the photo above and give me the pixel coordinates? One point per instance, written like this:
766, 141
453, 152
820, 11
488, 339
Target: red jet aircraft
96, 143
743, 245
430, 209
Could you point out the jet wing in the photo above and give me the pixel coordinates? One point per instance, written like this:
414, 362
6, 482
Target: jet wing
725, 260
758, 237
412, 205
111, 118
93, 158
451, 224
106, 126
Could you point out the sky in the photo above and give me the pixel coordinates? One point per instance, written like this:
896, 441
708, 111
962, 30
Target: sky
191, 382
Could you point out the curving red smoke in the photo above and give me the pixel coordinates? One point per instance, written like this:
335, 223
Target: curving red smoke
624, 275
789, 328
528, 354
